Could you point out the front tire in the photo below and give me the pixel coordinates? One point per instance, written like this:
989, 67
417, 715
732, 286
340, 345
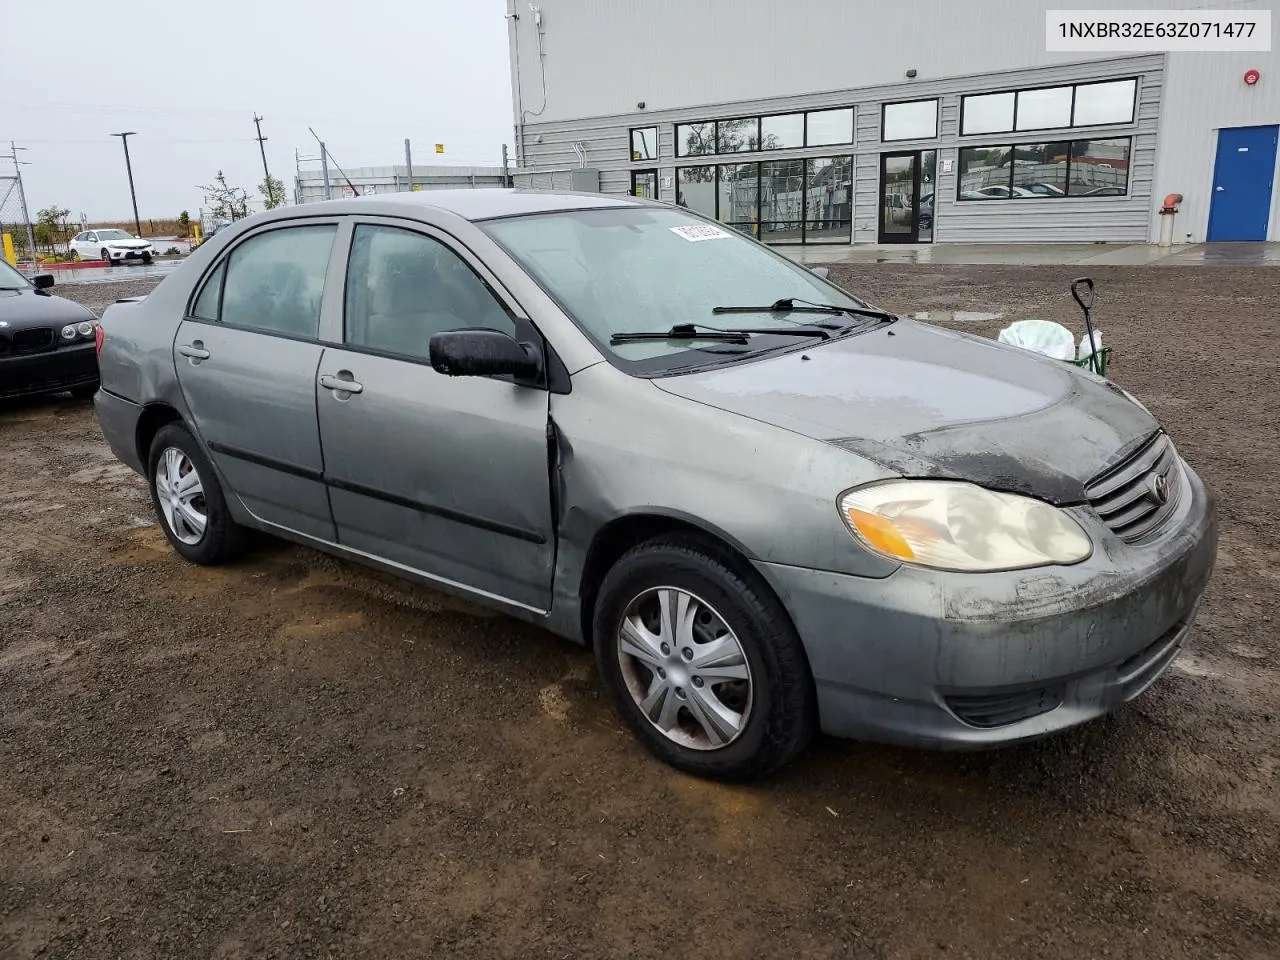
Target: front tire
84, 393
188, 499
702, 661
106, 255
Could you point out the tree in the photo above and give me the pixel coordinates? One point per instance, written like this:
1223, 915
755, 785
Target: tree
51, 226
184, 221
272, 191
225, 202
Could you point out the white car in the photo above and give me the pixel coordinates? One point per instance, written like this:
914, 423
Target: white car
111, 245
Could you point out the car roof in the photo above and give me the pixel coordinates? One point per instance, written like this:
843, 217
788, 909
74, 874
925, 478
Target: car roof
479, 204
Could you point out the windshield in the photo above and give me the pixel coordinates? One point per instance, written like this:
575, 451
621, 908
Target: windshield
11, 279
114, 235
649, 269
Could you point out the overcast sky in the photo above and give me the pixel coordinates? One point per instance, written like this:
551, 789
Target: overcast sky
188, 77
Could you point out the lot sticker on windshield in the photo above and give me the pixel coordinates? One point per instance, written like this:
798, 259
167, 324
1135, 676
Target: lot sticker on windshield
699, 233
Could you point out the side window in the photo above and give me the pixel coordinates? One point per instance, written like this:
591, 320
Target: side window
92, 238
402, 287
275, 281
206, 305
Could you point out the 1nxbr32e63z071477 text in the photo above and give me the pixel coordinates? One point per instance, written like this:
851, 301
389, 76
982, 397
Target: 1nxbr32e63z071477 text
1156, 31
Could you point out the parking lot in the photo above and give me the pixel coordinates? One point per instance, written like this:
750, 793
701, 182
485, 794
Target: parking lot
295, 757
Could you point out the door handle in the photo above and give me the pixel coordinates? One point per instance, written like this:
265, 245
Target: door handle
340, 383
1220, 189
194, 350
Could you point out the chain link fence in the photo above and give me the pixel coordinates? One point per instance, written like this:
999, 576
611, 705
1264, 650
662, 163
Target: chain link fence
13, 224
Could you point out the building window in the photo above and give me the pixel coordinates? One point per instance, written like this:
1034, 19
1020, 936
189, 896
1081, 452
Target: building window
1102, 103
734, 136
987, 113
1045, 109
782, 131
782, 201
917, 120
779, 201
828, 127
828, 203
695, 139
1049, 108
1042, 171
696, 189
644, 143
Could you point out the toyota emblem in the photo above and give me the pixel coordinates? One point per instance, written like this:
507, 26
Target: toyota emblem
1158, 488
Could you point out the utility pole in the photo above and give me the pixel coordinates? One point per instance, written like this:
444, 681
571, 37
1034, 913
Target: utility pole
257, 122
324, 165
22, 198
408, 162
124, 138
506, 177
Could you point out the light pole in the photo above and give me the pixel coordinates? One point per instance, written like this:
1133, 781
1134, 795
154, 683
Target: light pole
124, 138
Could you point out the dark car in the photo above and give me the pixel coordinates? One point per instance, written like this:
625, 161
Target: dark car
47, 344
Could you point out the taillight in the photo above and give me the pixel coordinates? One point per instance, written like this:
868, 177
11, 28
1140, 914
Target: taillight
98, 337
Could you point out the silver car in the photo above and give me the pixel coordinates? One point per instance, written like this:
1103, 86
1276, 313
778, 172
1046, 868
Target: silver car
769, 507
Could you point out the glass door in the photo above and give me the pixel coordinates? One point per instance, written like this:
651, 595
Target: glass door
644, 183
907, 196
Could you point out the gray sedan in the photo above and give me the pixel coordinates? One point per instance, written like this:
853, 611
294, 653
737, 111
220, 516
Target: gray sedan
769, 507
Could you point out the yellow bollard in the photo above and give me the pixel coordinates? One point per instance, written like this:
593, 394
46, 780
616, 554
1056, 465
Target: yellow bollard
9, 255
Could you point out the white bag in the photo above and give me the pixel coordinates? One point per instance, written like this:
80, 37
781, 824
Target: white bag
1041, 336
1085, 350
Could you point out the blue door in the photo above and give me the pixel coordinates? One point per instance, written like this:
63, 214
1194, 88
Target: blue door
1242, 176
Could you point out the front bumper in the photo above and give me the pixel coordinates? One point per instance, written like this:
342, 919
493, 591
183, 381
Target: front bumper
62, 368
926, 658
115, 255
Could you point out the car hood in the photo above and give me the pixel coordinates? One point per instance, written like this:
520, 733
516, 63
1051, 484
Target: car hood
126, 244
930, 403
26, 308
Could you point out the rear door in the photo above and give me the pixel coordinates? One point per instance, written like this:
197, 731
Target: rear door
247, 356
445, 475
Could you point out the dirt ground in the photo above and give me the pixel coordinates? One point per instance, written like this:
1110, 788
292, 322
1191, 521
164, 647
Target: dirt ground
294, 757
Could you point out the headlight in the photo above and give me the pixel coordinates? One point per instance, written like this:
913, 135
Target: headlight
69, 332
85, 329
960, 526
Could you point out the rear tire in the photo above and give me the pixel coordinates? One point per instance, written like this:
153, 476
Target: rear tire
75, 256
745, 704
181, 504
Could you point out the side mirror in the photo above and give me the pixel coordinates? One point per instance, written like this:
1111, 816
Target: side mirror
823, 272
481, 353
43, 281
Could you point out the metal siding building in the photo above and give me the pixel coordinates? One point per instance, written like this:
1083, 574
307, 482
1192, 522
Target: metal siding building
581, 69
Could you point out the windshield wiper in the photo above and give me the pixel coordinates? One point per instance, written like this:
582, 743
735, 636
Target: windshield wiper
788, 305
697, 331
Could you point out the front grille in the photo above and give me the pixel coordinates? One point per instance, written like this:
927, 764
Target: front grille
1137, 496
1000, 709
32, 340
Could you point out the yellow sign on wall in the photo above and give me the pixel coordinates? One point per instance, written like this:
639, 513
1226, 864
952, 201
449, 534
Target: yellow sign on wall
439, 148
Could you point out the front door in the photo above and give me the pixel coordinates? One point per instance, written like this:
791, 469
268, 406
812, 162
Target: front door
446, 476
246, 356
644, 183
1242, 182
907, 196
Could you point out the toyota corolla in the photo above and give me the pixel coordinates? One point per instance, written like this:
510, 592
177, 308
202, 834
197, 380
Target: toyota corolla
768, 506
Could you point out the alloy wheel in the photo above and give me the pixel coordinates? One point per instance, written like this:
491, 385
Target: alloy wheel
685, 668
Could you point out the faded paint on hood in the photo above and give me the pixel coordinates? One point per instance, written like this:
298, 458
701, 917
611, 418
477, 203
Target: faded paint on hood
927, 402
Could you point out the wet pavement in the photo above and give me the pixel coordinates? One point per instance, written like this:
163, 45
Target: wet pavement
1034, 254
124, 274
